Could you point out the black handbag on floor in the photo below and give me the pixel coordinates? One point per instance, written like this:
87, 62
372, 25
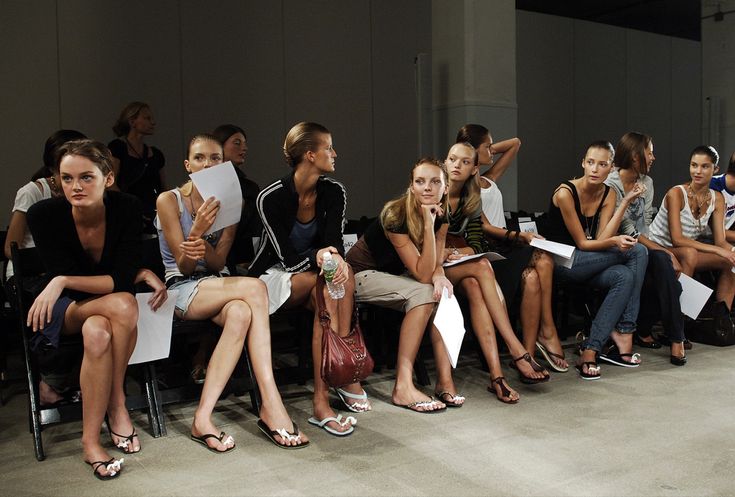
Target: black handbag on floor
714, 329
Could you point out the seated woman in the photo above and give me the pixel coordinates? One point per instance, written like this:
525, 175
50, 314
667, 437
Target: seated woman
685, 213
525, 273
235, 144
90, 242
45, 183
195, 265
633, 160
476, 278
303, 216
583, 214
398, 265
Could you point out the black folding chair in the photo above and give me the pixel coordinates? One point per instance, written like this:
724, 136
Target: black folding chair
27, 263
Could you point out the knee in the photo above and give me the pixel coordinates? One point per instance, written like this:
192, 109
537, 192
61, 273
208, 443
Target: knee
688, 256
238, 315
485, 269
123, 309
624, 276
253, 291
471, 287
531, 281
545, 263
96, 335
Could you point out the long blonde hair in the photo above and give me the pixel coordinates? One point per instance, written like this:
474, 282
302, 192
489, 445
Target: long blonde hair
406, 209
471, 187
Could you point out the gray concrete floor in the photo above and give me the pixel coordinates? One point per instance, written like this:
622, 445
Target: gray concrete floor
655, 430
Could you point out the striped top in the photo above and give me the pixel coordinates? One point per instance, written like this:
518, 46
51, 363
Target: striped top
690, 227
468, 227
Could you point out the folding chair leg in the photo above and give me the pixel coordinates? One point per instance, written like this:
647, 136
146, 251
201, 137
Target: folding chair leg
254, 393
151, 389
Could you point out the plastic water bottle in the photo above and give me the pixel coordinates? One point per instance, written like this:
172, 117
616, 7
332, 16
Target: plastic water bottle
329, 266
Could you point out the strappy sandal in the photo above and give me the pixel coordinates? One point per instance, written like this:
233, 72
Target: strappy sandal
124, 444
527, 379
504, 390
587, 375
549, 357
113, 467
450, 399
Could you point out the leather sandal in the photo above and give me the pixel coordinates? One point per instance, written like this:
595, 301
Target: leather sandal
504, 390
536, 367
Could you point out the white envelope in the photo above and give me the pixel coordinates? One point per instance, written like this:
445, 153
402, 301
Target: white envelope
221, 182
154, 329
450, 323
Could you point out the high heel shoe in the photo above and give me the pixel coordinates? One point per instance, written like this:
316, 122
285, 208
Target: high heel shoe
646, 345
678, 360
536, 367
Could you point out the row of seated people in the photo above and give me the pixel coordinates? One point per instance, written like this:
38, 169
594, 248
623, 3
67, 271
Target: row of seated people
90, 238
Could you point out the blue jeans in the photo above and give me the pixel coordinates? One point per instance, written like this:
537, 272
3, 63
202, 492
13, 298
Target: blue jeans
622, 274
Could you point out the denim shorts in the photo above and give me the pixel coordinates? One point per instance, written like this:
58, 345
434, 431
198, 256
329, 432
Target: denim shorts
188, 288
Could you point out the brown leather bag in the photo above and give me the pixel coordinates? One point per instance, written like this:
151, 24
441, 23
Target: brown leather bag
345, 360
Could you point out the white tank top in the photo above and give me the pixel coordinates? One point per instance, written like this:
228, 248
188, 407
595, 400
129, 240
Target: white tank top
492, 202
690, 227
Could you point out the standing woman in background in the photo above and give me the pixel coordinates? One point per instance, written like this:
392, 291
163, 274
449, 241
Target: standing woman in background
303, 216
526, 273
138, 167
90, 242
235, 144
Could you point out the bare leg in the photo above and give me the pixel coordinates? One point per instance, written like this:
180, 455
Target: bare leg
304, 284
482, 324
548, 334
108, 330
483, 273
243, 305
412, 330
530, 309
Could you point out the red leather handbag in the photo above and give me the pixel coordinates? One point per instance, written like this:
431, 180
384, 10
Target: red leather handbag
345, 360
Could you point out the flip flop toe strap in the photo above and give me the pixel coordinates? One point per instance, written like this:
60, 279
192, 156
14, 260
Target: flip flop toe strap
113, 466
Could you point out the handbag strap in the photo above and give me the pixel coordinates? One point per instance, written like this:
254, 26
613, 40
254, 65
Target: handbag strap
324, 316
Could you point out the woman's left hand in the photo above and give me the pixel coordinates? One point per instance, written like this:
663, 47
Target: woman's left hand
40, 313
160, 294
440, 284
194, 248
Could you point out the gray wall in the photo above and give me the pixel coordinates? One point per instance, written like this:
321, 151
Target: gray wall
262, 65
580, 81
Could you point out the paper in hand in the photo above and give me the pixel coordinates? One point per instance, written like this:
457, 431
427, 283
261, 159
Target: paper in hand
221, 182
154, 328
450, 323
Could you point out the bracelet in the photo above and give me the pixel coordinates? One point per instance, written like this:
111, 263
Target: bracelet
507, 234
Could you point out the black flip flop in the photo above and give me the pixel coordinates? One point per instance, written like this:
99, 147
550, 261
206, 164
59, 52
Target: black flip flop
271, 434
203, 440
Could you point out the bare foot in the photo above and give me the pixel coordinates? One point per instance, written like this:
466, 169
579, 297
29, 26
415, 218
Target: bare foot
503, 391
447, 393
527, 368
323, 410
93, 453
206, 427
124, 436
360, 401
47, 395
403, 396
624, 343
551, 342
677, 349
277, 418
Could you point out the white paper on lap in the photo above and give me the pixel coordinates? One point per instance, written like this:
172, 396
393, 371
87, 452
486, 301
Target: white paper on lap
154, 328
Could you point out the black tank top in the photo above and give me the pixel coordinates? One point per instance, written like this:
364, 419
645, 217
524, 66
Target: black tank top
557, 229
